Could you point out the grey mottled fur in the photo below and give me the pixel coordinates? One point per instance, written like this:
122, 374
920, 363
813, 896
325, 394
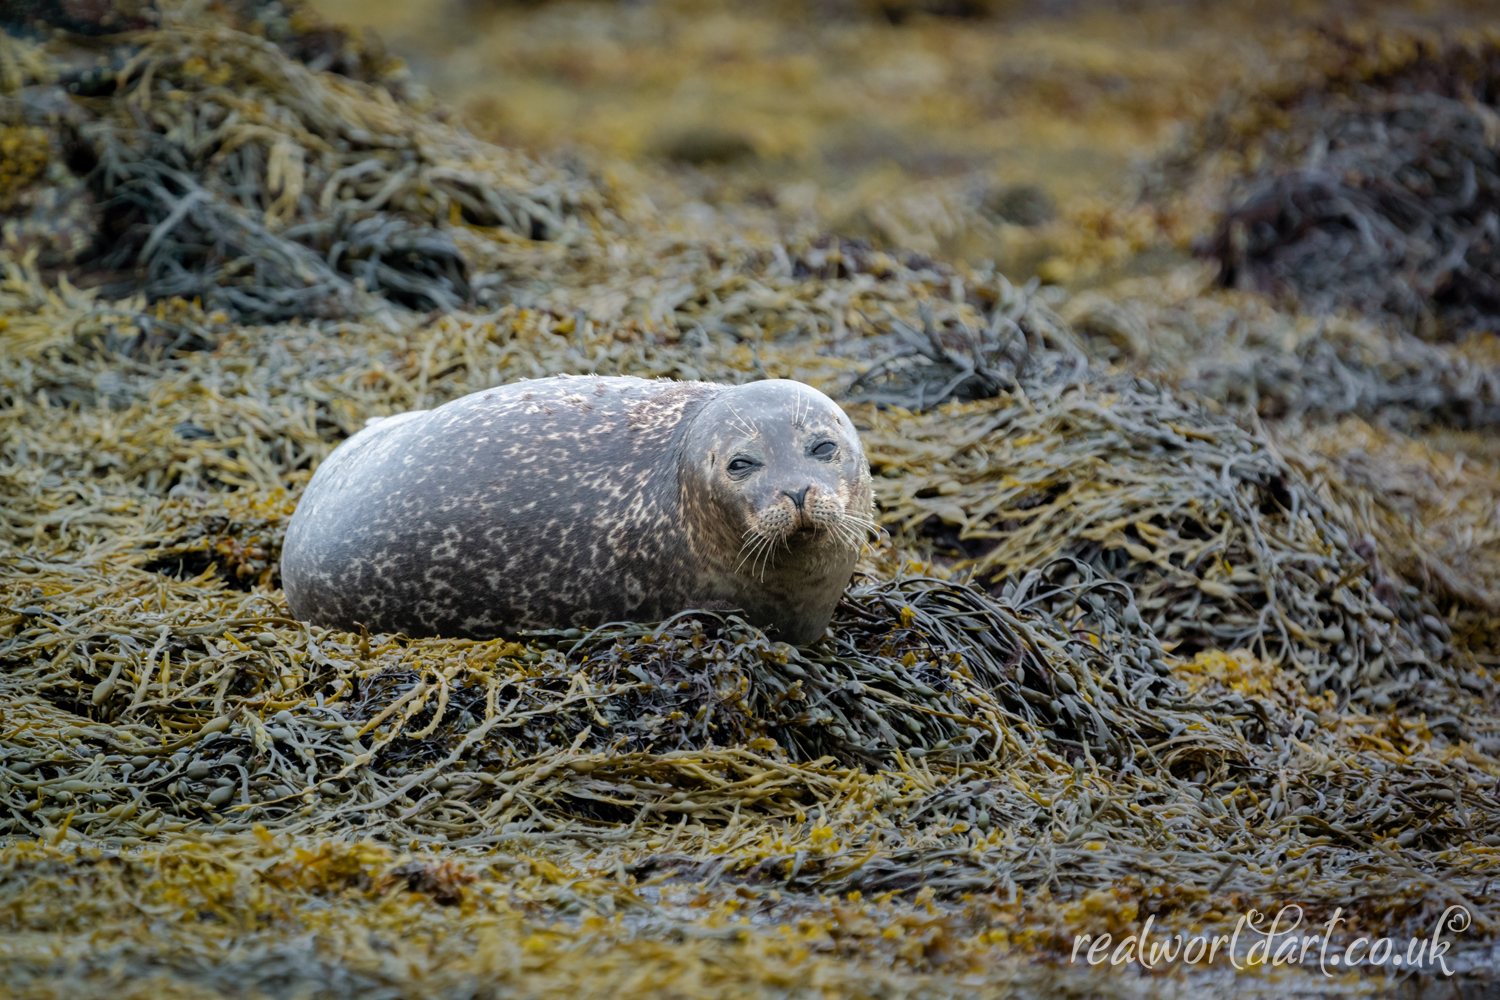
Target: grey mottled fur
573, 501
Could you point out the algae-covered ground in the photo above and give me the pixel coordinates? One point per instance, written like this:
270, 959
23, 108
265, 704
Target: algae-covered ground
1169, 330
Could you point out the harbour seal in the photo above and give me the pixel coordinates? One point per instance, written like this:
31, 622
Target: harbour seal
574, 501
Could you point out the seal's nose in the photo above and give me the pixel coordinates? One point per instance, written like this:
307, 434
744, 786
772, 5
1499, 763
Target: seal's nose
798, 498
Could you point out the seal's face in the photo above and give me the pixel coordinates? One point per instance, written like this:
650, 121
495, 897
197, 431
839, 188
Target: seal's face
786, 475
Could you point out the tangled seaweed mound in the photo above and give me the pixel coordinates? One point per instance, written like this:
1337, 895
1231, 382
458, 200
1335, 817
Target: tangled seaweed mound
1359, 186
1120, 654
207, 165
1224, 544
1381, 194
920, 667
1396, 378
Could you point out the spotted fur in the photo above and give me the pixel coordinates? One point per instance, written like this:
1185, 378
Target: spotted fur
574, 501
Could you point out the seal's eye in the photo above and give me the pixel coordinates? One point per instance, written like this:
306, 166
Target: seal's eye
825, 449
740, 467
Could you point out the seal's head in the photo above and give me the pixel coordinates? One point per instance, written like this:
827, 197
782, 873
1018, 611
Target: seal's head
780, 479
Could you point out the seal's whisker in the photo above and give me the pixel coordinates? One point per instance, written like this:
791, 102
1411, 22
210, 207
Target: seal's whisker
760, 545
766, 560
868, 524
741, 424
752, 556
854, 530
748, 549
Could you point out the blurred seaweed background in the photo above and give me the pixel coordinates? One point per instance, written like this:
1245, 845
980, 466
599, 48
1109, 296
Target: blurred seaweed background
1170, 330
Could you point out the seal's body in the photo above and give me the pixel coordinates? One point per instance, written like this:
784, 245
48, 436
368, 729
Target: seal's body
574, 501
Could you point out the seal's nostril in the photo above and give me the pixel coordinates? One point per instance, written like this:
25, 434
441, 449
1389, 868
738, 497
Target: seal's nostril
799, 497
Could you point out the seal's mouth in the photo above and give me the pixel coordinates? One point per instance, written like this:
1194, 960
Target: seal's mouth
779, 531
759, 549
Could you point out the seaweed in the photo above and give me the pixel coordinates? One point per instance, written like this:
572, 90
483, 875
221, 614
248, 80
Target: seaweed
1122, 651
